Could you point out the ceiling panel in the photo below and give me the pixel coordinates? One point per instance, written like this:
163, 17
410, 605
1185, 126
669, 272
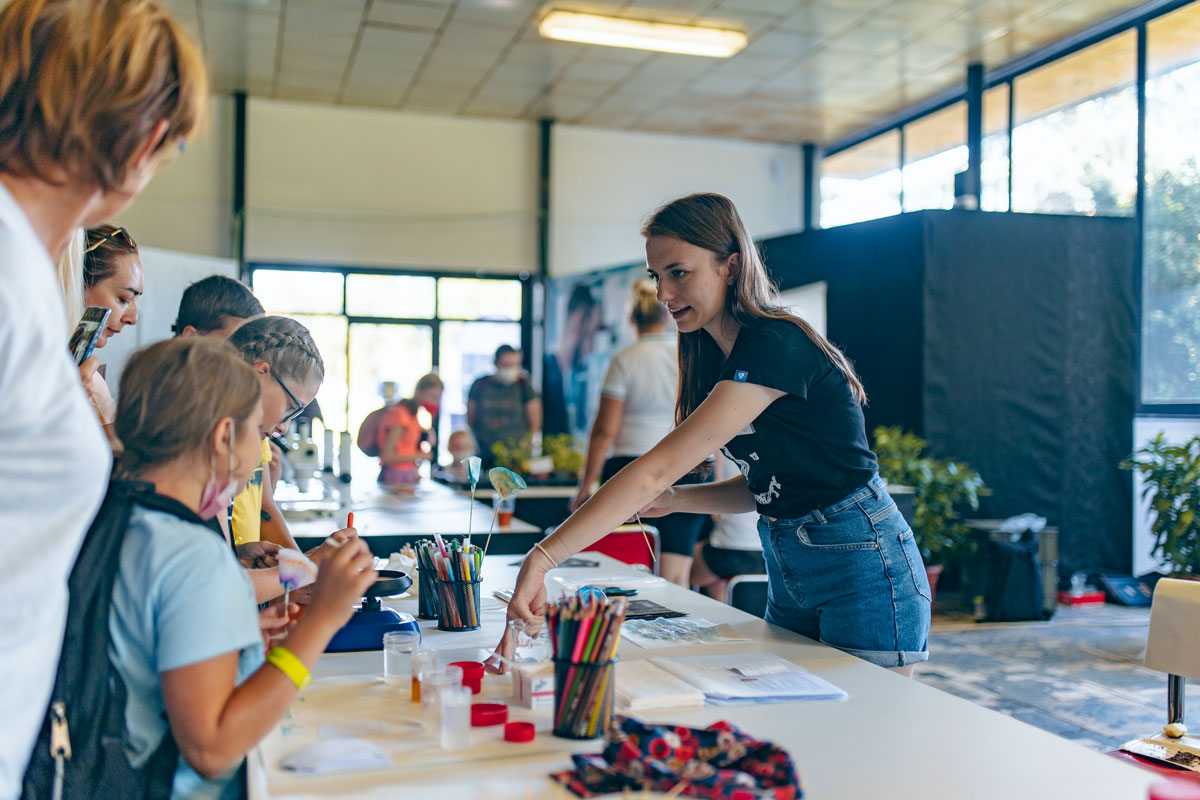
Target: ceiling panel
413, 15
814, 70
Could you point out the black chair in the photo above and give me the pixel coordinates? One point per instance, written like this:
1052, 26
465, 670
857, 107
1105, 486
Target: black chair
748, 593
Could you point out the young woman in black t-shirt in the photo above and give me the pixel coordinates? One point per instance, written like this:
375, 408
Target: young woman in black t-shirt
786, 406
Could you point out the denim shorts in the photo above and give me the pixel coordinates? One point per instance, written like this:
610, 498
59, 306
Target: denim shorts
850, 576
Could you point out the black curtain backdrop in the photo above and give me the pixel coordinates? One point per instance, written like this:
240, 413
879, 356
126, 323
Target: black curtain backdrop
1006, 340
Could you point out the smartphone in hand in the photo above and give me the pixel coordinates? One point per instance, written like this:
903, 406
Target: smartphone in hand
83, 340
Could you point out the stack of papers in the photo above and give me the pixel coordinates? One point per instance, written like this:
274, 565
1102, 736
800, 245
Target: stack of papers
749, 678
642, 686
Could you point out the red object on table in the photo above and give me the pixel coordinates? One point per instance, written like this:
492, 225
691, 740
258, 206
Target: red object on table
625, 546
1068, 599
519, 732
486, 714
1168, 772
472, 674
1174, 790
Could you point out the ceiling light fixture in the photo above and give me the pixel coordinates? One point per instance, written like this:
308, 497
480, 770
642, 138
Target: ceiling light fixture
572, 26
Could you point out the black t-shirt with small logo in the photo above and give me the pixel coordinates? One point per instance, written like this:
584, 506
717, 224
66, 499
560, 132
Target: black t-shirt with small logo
809, 448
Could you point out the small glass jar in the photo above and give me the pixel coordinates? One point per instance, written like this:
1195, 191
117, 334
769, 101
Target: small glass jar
433, 681
455, 710
530, 641
398, 647
421, 659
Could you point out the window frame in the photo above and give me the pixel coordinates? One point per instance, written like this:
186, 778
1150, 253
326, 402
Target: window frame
434, 322
1135, 19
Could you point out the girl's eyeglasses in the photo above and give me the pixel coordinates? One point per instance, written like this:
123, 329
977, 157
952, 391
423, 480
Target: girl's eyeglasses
299, 407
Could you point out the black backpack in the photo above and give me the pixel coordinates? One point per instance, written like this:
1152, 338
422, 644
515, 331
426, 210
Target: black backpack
80, 751
1014, 584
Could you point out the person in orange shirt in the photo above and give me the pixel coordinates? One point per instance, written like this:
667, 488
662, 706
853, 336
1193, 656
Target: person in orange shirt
403, 442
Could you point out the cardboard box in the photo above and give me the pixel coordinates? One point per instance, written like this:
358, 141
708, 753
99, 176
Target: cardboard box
533, 684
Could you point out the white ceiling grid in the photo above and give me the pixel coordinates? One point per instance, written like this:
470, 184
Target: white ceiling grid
814, 70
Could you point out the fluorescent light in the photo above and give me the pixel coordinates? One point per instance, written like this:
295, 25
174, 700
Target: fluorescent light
638, 34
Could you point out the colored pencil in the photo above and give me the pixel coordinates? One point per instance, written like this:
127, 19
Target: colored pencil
584, 635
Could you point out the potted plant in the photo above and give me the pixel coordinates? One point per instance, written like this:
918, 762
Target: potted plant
1171, 474
517, 455
941, 487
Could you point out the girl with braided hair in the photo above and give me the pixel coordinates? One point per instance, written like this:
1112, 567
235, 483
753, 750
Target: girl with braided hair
290, 370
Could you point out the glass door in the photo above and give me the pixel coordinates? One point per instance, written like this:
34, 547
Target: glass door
385, 351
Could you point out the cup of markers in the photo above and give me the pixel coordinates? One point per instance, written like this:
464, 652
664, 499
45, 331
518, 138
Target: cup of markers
458, 568
584, 633
427, 577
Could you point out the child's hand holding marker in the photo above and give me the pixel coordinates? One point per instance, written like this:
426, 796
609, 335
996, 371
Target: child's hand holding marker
335, 540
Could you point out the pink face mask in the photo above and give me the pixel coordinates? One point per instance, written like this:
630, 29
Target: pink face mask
215, 497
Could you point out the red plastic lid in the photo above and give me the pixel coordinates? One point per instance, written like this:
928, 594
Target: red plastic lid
1174, 790
519, 732
469, 668
485, 714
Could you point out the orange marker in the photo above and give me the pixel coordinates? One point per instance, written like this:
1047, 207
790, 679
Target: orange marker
350, 520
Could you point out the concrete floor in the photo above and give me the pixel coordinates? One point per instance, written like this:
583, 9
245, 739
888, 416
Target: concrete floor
1079, 675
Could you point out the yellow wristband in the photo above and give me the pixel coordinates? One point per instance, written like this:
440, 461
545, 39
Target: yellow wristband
289, 665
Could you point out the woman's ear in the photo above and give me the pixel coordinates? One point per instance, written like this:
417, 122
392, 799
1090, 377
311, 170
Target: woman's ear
262, 367
733, 267
144, 157
221, 441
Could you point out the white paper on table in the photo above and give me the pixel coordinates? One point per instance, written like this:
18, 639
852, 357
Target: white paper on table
635, 630
642, 685
721, 679
1172, 645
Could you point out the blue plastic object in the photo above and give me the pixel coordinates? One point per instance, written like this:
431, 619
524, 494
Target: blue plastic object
590, 592
366, 628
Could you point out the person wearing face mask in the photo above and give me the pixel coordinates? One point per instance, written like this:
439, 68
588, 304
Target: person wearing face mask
402, 440
503, 407
290, 370
184, 636
94, 97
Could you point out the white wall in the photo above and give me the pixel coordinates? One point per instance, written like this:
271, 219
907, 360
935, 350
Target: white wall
604, 183
188, 205
365, 187
167, 274
1178, 430
809, 303
338, 185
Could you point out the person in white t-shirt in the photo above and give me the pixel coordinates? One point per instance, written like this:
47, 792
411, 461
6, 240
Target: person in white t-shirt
733, 548
637, 409
93, 97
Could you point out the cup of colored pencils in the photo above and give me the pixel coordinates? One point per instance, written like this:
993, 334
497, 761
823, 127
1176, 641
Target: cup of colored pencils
427, 575
583, 635
458, 568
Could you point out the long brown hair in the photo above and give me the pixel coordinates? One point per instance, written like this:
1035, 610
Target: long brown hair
711, 221
172, 396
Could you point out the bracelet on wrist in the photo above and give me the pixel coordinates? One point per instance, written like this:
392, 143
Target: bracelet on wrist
287, 663
543, 551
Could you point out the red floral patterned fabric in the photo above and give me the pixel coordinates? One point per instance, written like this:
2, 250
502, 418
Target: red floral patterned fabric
718, 762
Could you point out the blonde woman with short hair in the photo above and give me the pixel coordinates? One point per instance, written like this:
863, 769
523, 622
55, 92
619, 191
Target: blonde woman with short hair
94, 96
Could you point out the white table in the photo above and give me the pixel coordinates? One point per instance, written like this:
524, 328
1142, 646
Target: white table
893, 737
434, 508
